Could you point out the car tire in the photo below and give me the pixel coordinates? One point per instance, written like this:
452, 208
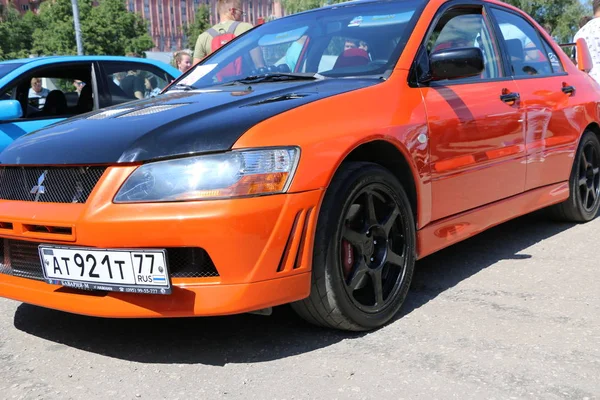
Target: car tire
584, 184
364, 251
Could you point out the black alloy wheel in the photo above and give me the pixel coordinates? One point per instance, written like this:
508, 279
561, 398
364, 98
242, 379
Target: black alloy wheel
584, 184
364, 251
373, 249
589, 176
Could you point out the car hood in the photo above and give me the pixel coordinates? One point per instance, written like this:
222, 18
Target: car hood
174, 124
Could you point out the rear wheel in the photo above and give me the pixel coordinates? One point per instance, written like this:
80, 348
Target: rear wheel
584, 184
364, 251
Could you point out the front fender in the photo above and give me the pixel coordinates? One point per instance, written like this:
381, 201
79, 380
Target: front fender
328, 130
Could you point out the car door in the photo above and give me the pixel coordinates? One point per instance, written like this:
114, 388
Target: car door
547, 95
58, 84
476, 131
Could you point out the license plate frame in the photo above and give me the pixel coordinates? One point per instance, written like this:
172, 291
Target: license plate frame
159, 284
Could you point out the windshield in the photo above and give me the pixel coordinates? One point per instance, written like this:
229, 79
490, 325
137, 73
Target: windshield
6, 68
352, 40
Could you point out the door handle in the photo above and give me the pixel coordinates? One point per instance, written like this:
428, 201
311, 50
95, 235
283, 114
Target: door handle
570, 90
510, 97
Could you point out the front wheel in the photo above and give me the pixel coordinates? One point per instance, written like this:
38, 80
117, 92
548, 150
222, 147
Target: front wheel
364, 252
584, 184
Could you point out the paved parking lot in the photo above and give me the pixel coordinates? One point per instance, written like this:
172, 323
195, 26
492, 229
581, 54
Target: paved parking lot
512, 313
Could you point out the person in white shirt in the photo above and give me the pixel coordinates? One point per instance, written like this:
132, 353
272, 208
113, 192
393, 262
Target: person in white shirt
37, 91
591, 33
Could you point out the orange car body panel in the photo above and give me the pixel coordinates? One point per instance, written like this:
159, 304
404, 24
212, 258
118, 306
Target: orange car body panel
262, 246
448, 231
398, 120
249, 234
204, 299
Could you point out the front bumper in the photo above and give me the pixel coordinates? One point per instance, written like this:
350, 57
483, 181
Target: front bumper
185, 301
261, 248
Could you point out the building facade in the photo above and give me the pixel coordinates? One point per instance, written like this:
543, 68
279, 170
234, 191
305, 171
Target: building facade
22, 5
167, 17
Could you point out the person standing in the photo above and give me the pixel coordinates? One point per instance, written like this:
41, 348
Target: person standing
230, 26
584, 20
182, 60
591, 33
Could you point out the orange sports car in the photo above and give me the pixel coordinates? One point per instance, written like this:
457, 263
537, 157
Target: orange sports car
312, 161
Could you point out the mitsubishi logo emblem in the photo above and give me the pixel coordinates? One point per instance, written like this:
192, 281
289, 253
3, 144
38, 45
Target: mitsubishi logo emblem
39, 189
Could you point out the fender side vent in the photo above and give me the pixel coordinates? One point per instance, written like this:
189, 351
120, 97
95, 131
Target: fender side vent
291, 258
301, 246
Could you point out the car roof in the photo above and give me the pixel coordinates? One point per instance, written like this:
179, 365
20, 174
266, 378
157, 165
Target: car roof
37, 61
338, 5
25, 64
356, 2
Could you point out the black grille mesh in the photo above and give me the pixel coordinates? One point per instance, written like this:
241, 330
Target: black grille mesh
60, 184
190, 262
19, 258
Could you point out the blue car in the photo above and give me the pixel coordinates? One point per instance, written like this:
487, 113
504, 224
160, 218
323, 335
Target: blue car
37, 92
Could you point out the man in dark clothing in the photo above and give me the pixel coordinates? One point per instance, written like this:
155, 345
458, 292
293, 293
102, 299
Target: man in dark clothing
133, 85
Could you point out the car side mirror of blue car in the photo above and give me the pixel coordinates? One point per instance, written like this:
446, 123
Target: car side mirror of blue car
10, 109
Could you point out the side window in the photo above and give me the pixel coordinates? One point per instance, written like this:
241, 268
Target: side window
553, 57
527, 53
59, 91
132, 81
466, 28
8, 94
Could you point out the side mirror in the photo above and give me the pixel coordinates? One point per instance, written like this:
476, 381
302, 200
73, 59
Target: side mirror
456, 63
584, 59
10, 109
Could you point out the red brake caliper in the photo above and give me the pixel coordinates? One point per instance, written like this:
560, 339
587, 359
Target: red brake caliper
347, 257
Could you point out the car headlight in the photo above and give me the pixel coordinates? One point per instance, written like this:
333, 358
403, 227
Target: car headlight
231, 174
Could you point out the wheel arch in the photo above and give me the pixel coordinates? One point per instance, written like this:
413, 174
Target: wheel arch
594, 127
389, 156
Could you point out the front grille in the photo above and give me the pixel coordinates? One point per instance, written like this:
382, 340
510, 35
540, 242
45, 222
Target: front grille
19, 258
49, 184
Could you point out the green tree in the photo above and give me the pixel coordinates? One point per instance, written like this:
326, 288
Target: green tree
106, 29
56, 34
559, 17
111, 29
201, 23
16, 32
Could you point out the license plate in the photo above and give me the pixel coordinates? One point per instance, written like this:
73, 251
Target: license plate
127, 271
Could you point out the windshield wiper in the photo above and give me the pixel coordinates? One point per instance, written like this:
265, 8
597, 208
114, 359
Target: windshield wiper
276, 77
182, 86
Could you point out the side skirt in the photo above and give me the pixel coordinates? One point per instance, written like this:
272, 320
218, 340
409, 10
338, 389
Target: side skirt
450, 230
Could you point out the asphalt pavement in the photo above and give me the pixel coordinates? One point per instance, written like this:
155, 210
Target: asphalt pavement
513, 313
